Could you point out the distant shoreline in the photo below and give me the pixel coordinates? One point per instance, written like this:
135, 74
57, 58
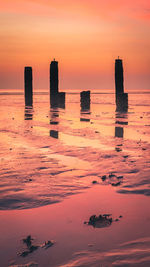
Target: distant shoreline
21, 92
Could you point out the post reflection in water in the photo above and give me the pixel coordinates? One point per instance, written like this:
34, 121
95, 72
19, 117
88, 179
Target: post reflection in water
28, 113
121, 119
54, 134
54, 120
119, 132
54, 116
84, 116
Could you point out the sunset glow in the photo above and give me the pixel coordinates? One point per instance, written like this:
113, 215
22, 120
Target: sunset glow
85, 37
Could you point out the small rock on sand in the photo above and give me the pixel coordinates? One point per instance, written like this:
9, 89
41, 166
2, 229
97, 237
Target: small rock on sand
94, 182
120, 177
48, 244
100, 221
111, 175
118, 149
116, 184
103, 177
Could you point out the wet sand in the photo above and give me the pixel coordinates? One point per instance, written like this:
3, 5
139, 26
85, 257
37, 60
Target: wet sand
77, 244
50, 159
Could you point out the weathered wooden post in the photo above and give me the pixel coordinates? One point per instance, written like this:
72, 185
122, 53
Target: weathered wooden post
122, 102
121, 97
61, 99
54, 78
57, 99
54, 83
119, 79
28, 86
85, 100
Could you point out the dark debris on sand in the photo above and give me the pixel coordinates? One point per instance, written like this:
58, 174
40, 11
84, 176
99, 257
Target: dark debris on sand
28, 240
31, 248
94, 182
116, 184
48, 244
103, 177
101, 221
112, 179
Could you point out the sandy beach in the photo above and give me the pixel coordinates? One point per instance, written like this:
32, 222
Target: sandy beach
61, 166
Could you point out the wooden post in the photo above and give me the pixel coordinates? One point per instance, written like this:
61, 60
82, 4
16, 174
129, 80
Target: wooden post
28, 86
121, 97
85, 100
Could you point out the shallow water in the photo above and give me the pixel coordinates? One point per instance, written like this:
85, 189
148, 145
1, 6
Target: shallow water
50, 154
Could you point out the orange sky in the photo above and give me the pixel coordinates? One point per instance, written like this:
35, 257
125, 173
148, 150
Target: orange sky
84, 36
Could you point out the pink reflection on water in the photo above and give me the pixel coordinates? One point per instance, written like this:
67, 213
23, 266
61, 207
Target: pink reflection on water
49, 155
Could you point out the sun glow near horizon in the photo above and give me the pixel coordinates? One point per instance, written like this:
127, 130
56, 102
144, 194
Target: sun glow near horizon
84, 37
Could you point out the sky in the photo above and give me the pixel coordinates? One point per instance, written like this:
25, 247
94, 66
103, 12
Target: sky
84, 36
